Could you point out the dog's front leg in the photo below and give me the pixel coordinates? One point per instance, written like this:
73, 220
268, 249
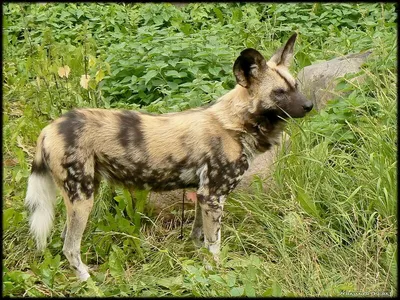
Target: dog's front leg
197, 230
211, 208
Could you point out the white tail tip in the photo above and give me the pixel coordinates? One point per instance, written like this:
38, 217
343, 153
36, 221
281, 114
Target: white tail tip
40, 200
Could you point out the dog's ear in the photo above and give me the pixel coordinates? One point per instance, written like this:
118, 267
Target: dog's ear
248, 66
284, 55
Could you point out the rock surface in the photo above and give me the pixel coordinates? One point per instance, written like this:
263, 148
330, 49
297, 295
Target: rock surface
318, 81
180, 4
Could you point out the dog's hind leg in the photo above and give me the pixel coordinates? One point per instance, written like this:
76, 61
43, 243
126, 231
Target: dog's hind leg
96, 188
64, 232
78, 189
78, 213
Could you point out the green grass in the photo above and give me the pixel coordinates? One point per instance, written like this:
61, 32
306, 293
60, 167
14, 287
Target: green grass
327, 225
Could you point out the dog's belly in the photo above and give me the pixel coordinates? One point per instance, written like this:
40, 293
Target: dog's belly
166, 179
139, 175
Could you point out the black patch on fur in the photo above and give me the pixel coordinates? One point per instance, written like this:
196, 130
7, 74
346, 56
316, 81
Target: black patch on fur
130, 129
223, 175
201, 198
217, 230
260, 124
77, 181
46, 155
217, 219
137, 174
243, 66
70, 127
41, 167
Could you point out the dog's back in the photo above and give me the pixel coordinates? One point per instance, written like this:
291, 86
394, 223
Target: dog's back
161, 152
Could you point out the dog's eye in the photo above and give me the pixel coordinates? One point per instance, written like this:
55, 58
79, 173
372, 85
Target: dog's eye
279, 92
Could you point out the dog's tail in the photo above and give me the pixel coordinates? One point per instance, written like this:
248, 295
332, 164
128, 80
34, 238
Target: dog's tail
40, 197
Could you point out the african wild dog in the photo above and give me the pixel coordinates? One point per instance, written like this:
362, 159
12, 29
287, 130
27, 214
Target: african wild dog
206, 148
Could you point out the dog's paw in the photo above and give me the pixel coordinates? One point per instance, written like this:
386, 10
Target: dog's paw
83, 276
198, 238
198, 243
83, 273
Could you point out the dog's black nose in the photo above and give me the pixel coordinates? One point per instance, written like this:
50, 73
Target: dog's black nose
308, 106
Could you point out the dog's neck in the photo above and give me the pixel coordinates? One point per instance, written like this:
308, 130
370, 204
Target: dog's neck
263, 131
257, 128
231, 108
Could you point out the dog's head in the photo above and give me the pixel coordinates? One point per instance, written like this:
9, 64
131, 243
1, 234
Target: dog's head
271, 86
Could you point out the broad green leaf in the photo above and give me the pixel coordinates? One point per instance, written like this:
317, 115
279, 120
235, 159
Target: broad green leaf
115, 262
231, 279
237, 291
219, 14
170, 281
172, 73
217, 278
267, 292
237, 15
255, 260
182, 74
249, 290
186, 28
99, 75
130, 209
307, 203
173, 85
8, 215
276, 289
251, 272
79, 13
149, 75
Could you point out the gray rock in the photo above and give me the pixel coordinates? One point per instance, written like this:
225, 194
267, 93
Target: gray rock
318, 81
180, 4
